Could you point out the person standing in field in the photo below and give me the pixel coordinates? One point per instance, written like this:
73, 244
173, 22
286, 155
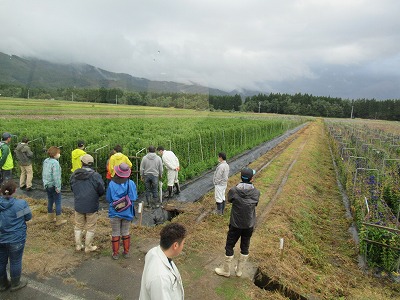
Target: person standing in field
14, 213
161, 278
6, 160
52, 183
24, 157
87, 186
151, 170
119, 187
76, 156
117, 159
244, 198
171, 162
220, 181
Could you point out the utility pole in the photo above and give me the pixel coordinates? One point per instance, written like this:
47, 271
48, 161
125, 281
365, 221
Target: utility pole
72, 97
28, 93
259, 107
351, 116
116, 99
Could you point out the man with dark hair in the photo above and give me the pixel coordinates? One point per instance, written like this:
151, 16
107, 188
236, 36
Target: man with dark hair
24, 157
76, 156
151, 170
171, 162
244, 198
161, 278
6, 160
220, 181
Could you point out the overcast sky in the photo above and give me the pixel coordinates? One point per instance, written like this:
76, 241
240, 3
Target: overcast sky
341, 48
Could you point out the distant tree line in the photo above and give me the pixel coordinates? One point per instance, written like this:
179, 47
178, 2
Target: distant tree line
297, 104
308, 105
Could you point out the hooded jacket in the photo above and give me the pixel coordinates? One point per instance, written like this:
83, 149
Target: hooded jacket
244, 198
76, 159
160, 279
23, 154
117, 159
13, 216
87, 186
116, 191
151, 164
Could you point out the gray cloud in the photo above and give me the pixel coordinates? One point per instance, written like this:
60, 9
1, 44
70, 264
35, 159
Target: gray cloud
341, 48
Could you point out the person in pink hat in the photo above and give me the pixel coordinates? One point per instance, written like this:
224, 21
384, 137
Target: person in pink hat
121, 193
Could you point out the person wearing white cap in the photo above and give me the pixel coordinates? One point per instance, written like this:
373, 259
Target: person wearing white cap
244, 198
6, 160
87, 186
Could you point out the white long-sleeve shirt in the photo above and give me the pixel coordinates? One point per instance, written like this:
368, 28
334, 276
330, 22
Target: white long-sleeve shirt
170, 160
161, 279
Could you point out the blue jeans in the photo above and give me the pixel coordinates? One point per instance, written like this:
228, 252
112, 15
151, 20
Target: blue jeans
151, 184
12, 252
53, 197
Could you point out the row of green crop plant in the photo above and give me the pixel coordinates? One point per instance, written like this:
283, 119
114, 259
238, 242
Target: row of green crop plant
196, 141
373, 191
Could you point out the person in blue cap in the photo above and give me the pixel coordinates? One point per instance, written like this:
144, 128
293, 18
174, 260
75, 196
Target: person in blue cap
244, 198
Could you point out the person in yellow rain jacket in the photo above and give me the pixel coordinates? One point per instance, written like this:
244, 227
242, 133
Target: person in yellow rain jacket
76, 156
117, 159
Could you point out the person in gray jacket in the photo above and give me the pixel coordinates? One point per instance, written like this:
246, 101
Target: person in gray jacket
87, 186
24, 157
151, 171
244, 198
220, 181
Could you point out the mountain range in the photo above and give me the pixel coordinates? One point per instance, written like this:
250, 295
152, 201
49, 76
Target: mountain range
31, 72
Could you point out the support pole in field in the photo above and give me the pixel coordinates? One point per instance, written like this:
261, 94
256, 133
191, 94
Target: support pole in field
188, 154
201, 148
96, 156
281, 248
140, 209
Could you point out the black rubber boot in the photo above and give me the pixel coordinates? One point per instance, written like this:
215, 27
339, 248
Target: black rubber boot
169, 196
178, 189
4, 283
17, 283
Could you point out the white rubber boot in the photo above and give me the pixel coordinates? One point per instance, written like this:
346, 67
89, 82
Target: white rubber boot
239, 268
88, 242
226, 268
78, 240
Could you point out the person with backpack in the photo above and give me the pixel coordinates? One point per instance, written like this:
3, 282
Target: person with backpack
24, 156
121, 193
87, 186
6, 159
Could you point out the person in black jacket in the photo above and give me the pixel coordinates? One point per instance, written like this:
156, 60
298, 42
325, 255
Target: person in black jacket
244, 198
87, 186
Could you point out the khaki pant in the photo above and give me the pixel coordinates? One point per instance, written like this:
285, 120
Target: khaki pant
88, 220
26, 176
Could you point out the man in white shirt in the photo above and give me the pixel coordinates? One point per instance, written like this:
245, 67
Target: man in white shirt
161, 279
171, 162
220, 181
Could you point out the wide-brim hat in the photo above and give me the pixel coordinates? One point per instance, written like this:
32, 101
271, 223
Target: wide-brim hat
122, 170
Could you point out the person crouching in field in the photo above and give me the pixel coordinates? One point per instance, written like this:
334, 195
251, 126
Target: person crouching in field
13, 216
121, 193
87, 186
52, 183
220, 181
244, 198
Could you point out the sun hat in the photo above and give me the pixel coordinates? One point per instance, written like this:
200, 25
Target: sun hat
247, 174
87, 159
123, 170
